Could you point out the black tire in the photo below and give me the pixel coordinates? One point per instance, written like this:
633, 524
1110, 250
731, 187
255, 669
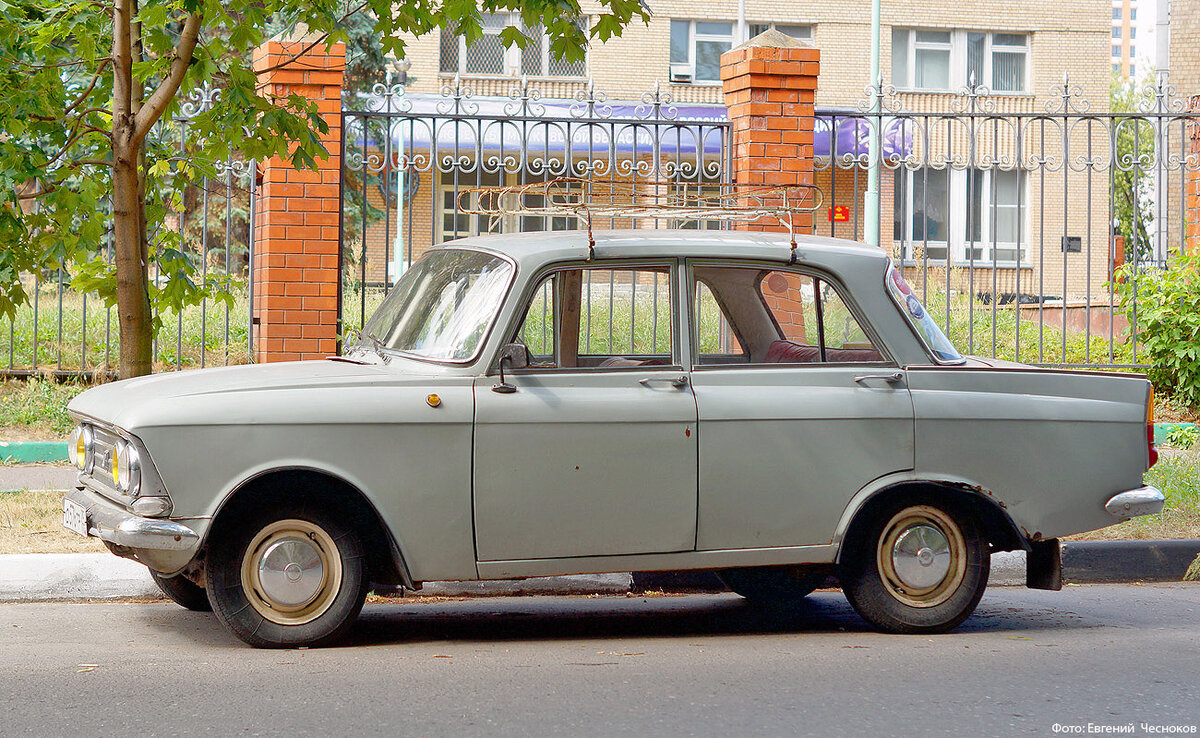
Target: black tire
322, 551
893, 575
774, 584
183, 591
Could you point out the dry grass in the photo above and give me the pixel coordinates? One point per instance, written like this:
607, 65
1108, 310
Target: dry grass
31, 522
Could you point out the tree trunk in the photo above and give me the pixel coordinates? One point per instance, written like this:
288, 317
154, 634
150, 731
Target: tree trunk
133, 298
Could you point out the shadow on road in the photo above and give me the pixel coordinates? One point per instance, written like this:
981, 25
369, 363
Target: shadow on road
560, 618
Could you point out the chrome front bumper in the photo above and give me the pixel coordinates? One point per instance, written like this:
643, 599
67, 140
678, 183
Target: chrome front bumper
162, 545
1135, 502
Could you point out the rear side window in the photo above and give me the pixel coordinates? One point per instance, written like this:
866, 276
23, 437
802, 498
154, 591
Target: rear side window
775, 316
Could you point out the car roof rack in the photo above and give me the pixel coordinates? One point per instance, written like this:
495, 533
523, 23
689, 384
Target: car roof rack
586, 199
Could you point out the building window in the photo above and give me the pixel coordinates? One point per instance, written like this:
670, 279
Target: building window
1116, 14
987, 225
1132, 32
1116, 68
696, 48
943, 60
1132, 70
1116, 31
1117, 52
488, 55
1133, 14
804, 33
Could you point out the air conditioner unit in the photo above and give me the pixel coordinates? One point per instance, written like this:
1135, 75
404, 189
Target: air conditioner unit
681, 74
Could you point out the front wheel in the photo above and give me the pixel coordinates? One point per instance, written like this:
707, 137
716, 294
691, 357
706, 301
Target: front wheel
772, 585
921, 567
183, 591
288, 578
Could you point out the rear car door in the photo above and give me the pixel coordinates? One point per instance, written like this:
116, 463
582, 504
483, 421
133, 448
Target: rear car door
800, 405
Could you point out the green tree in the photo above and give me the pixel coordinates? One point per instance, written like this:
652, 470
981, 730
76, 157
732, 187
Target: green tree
87, 91
1132, 164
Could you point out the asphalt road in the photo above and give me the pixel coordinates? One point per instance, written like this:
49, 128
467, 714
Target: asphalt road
1027, 662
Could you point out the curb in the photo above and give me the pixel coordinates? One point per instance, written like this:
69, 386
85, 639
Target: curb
1162, 429
32, 452
48, 577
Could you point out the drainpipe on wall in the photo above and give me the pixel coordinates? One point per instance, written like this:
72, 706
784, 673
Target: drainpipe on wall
871, 199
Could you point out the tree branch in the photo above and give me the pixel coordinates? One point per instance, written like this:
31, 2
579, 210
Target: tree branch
319, 40
158, 101
83, 95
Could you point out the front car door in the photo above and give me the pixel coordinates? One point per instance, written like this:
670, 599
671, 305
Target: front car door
800, 405
594, 452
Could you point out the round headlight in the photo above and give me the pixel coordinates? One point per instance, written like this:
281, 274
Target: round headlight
84, 449
75, 447
127, 469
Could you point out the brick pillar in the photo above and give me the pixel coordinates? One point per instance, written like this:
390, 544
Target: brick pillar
770, 85
1191, 196
296, 239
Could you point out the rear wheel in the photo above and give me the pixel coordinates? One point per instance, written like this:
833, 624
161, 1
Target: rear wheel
920, 567
292, 577
772, 584
183, 591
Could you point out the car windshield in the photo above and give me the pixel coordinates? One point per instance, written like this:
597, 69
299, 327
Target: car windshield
919, 317
441, 308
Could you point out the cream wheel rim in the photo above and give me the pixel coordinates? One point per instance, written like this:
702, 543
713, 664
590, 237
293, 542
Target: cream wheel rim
291, 572
922, 556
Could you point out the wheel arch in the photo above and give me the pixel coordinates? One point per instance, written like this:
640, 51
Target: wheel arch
1002, 532
387, 563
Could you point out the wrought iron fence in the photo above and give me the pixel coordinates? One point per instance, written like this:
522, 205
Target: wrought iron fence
1015, 217
408, 157
68, 334
1019, 220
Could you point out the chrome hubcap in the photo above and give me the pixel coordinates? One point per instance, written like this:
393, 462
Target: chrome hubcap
921, 556
291, 572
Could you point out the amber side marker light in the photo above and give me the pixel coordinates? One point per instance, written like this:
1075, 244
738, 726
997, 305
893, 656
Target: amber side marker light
1151, 450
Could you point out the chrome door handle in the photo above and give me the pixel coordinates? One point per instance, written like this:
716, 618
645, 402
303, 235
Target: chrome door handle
892, 378
677, 382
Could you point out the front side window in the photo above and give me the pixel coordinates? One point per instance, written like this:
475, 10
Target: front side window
926, 59
599, 318
488, 55
696, 48
442, 307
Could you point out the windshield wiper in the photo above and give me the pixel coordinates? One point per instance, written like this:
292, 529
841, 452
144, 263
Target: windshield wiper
376, 345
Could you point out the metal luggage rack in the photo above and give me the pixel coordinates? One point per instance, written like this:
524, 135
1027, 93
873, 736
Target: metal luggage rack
586, 199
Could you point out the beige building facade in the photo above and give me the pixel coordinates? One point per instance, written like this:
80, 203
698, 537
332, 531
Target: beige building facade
957, 189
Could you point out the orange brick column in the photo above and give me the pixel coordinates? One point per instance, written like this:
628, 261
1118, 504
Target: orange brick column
296, 239
1191, 197
770, 85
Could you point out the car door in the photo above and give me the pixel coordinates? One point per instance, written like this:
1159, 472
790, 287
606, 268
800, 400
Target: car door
593, 450
800, 406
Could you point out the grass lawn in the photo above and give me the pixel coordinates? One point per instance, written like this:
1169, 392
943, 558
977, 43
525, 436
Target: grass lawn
1177, 474
36, 409
31, 522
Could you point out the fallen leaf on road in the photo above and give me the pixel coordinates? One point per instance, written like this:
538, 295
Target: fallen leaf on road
86, 667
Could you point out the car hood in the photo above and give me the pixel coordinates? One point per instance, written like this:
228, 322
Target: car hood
123, 403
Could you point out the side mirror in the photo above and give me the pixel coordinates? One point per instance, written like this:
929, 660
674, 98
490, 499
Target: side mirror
517, 356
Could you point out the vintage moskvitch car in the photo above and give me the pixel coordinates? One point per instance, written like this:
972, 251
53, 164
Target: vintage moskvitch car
526, 405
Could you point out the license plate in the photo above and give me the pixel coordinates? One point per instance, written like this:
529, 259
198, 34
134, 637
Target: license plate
75, 517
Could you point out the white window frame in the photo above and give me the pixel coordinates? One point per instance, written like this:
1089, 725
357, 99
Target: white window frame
773, 24
957, 217
483, 224
959, 76
512, 54
694, 38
